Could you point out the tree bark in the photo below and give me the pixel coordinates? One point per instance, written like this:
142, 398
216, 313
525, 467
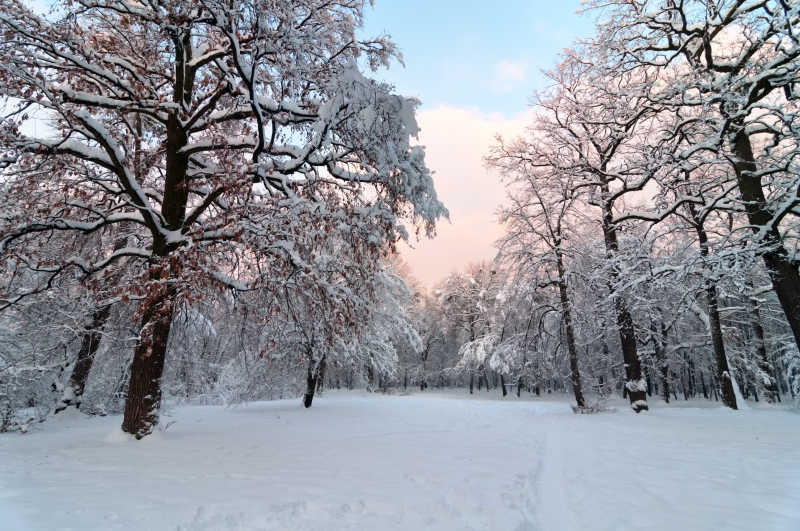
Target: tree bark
703, 384
723, 371
144, 390
783, 271
503, 385
765, 379
715, 328
312, 377
627, 334
566, 312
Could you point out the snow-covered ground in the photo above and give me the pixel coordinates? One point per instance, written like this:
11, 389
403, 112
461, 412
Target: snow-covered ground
426, 461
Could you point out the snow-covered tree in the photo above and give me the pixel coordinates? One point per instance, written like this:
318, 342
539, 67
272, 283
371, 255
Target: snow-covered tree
537, 218
728, 71
232, 140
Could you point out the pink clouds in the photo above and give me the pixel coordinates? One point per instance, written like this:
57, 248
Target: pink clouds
456, 140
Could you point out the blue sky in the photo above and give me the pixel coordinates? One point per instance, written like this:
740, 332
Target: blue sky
474, 65
485, 55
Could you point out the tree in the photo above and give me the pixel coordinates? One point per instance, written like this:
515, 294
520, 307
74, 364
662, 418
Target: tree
232, 139
537, 218
729, 72
468, 301
588, 136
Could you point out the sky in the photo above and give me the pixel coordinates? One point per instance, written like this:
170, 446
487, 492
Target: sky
474, 65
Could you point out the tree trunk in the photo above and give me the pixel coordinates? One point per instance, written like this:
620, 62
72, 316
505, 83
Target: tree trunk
92, 334
144, 390
715, 328
691, 377
566, 312
312, 377
634, 384
703, 384
723, 371
471, 382
503, 385
765, 379
782, 270
683, 385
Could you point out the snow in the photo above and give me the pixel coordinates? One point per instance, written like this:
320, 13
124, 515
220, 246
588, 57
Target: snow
637, 385
424, 461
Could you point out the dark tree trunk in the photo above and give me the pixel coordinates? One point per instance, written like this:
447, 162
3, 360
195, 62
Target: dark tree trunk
144, 390
519, 386
715, 328
744, 387
782, 270
566, 312
90, 342
703, 384
503, 385
634, 387
691, 377
471, 382
766, 379
315, 369
683, 385
723, 371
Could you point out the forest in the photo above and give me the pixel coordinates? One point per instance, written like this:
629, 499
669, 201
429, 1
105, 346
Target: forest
205, 203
